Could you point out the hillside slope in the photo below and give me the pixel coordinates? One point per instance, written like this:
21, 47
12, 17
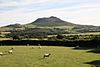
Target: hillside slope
53, 25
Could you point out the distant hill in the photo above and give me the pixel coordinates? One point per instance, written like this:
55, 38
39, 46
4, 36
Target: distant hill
50, 25
51, 21
14, 26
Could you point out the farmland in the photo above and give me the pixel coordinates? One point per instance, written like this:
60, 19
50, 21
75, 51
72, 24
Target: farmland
32, 56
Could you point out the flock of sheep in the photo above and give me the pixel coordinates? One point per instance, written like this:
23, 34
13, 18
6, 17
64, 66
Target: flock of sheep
10, 51
46, 54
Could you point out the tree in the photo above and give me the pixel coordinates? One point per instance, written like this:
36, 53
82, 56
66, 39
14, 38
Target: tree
59, 36
16, 37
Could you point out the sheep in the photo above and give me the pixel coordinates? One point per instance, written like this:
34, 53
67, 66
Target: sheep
77, 47
10, 51
28, 44
46, 55
1, 53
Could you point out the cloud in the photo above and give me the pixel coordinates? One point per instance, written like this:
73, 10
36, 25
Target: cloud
26, 11
31, 5
16, 5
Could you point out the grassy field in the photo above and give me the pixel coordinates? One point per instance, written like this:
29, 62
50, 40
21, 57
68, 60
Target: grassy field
26, 56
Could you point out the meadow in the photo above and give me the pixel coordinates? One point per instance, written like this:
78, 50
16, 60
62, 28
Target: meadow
32, 56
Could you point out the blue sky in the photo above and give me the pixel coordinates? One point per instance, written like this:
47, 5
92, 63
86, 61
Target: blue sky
85, 12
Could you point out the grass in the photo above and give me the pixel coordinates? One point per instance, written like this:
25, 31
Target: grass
88, 33
2, 39
25, 56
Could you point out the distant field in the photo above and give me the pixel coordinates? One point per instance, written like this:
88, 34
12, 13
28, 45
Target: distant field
90, 33
5, 28
25, 56
2, 39
48, 36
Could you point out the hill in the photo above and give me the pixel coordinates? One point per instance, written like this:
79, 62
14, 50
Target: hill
50, 25
51, 21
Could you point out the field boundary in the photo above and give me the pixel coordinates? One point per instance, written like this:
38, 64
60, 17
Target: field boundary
92, 43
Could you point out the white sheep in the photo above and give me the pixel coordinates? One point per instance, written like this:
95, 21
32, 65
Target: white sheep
1, 53
10, 51
46, 55
77, 47
28, 44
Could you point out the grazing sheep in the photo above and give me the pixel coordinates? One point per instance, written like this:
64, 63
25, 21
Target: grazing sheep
46, 55
77, 47
28, 44
1, 53
10, 51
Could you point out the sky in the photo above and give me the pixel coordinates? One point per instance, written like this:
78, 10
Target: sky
85, 12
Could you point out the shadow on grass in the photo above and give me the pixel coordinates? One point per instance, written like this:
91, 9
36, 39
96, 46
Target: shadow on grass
95, 63
82, 48
95, 50
91, 50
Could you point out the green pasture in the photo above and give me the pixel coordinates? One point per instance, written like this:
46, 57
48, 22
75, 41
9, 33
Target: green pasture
32, 56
